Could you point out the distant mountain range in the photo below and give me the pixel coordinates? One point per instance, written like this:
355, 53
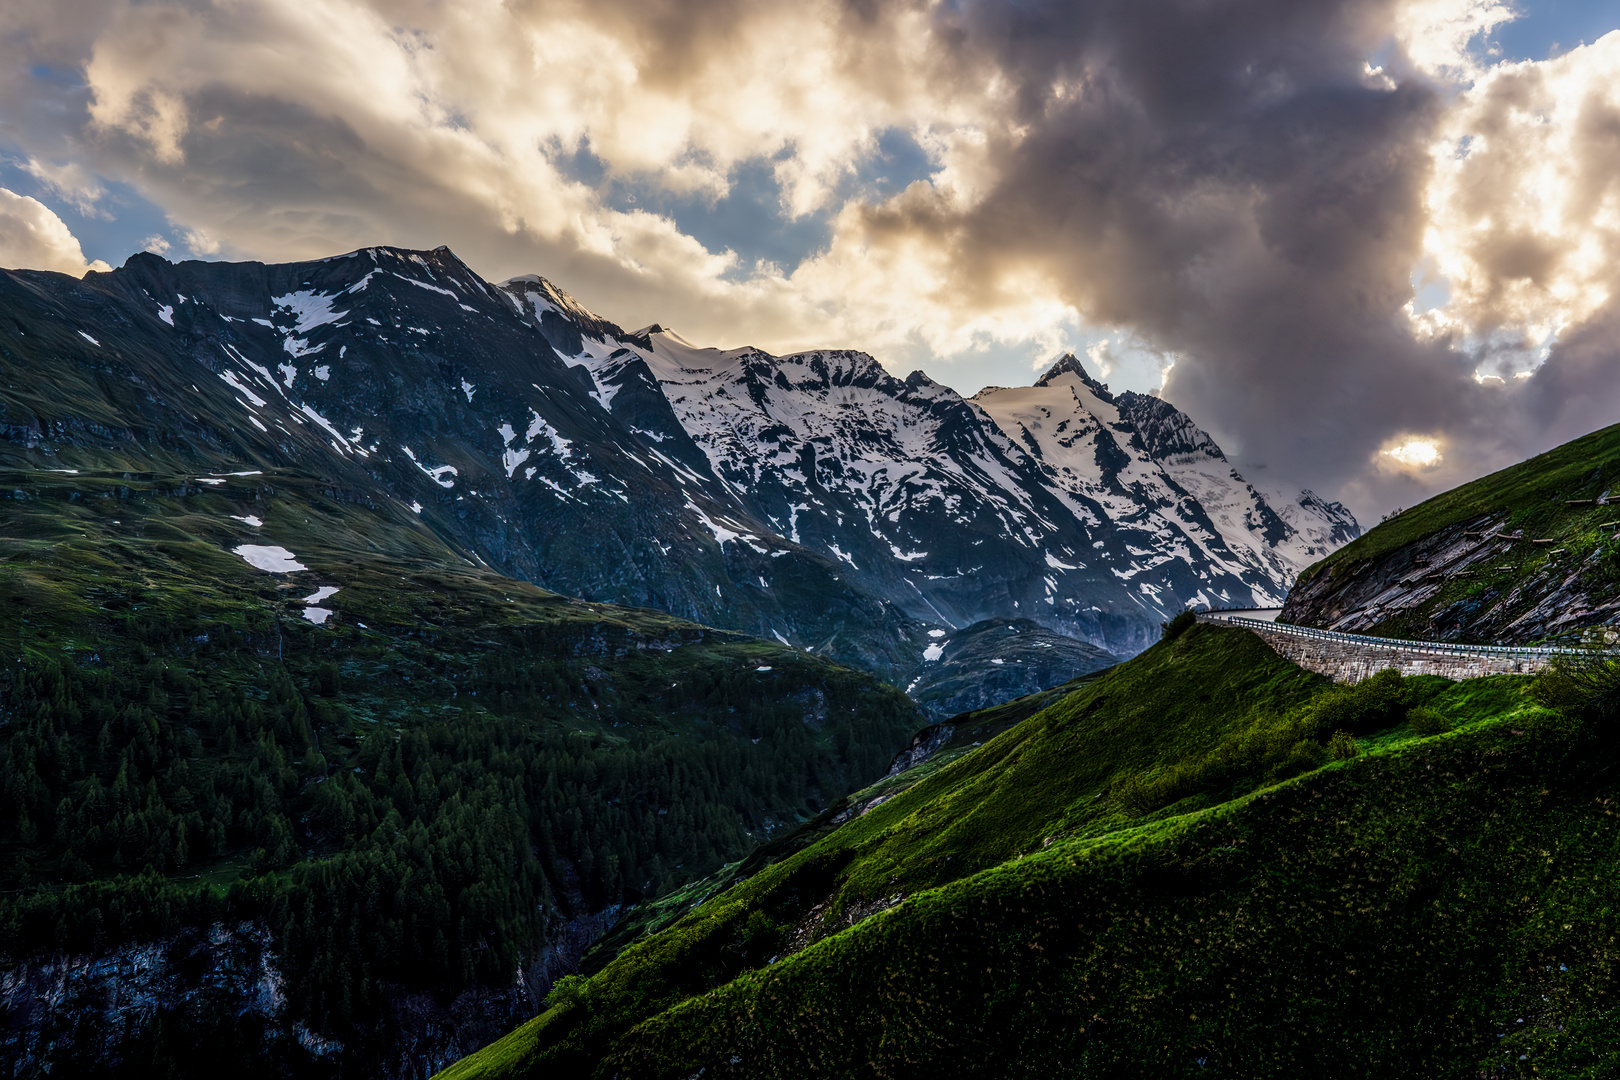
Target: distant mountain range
812, 499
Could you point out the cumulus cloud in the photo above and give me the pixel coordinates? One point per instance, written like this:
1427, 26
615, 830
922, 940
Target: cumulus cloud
32, 237
1233, 187
1436, 35
1524, 210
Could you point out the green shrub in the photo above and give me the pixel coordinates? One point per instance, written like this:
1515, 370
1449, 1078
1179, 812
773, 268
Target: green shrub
1303, 756
1177, 626
1424, 721
1585, 687
568, 991
1342, 746
1377, 702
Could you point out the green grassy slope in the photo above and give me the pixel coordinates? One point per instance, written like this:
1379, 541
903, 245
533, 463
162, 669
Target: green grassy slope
1534, 491
1124, 884
412, 795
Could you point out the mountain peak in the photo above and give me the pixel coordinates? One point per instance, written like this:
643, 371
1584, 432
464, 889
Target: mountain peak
1069, 364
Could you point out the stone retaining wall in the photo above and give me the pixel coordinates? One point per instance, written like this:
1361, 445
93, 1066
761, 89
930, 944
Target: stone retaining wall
1350, 662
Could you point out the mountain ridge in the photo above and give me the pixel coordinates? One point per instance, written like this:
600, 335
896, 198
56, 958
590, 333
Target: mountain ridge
813, 498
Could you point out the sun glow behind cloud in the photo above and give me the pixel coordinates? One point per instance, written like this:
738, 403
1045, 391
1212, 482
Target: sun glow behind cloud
1415, 453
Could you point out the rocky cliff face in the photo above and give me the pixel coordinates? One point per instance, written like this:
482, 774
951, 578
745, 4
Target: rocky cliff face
1479, 581
77, 1014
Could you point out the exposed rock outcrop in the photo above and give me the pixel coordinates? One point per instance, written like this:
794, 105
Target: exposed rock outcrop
1477, 581
94, 1011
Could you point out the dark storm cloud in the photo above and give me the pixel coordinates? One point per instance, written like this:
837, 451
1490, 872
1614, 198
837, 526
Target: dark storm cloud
1226, 179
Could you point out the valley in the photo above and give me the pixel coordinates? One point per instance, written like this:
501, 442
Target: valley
415, 674
381, 638
358, 810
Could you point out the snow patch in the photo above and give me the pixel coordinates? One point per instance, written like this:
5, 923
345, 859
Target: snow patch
310, 309
166, 313
836, 550
933, 652
436, 472
721, 533
341, 443
538, 426
429, 288
512, 459
360, 286
269, 558
251, 519
90, 339
234, 381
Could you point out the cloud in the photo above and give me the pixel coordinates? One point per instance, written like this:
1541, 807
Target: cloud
1235, 187
1437, 35
1524, 210
72, 182
32, 237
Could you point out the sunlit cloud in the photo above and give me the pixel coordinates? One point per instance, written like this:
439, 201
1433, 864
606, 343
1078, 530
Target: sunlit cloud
72, 183
1414, 453
32, 235
1440, 36
1524, 207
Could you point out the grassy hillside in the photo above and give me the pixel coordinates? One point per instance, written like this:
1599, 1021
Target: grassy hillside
415, 795
1533, 492
1163, 873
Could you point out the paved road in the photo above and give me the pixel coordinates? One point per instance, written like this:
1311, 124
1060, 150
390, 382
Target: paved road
1263, 619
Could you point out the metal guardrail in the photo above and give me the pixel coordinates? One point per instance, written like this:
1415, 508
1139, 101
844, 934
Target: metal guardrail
1401, 644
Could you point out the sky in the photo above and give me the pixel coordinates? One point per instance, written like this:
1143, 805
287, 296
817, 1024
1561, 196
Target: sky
1369, 245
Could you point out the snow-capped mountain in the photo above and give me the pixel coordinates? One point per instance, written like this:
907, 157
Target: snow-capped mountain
812, 498
1058, 502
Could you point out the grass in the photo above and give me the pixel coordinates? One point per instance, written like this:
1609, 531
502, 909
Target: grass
1024, 910
1432, 913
